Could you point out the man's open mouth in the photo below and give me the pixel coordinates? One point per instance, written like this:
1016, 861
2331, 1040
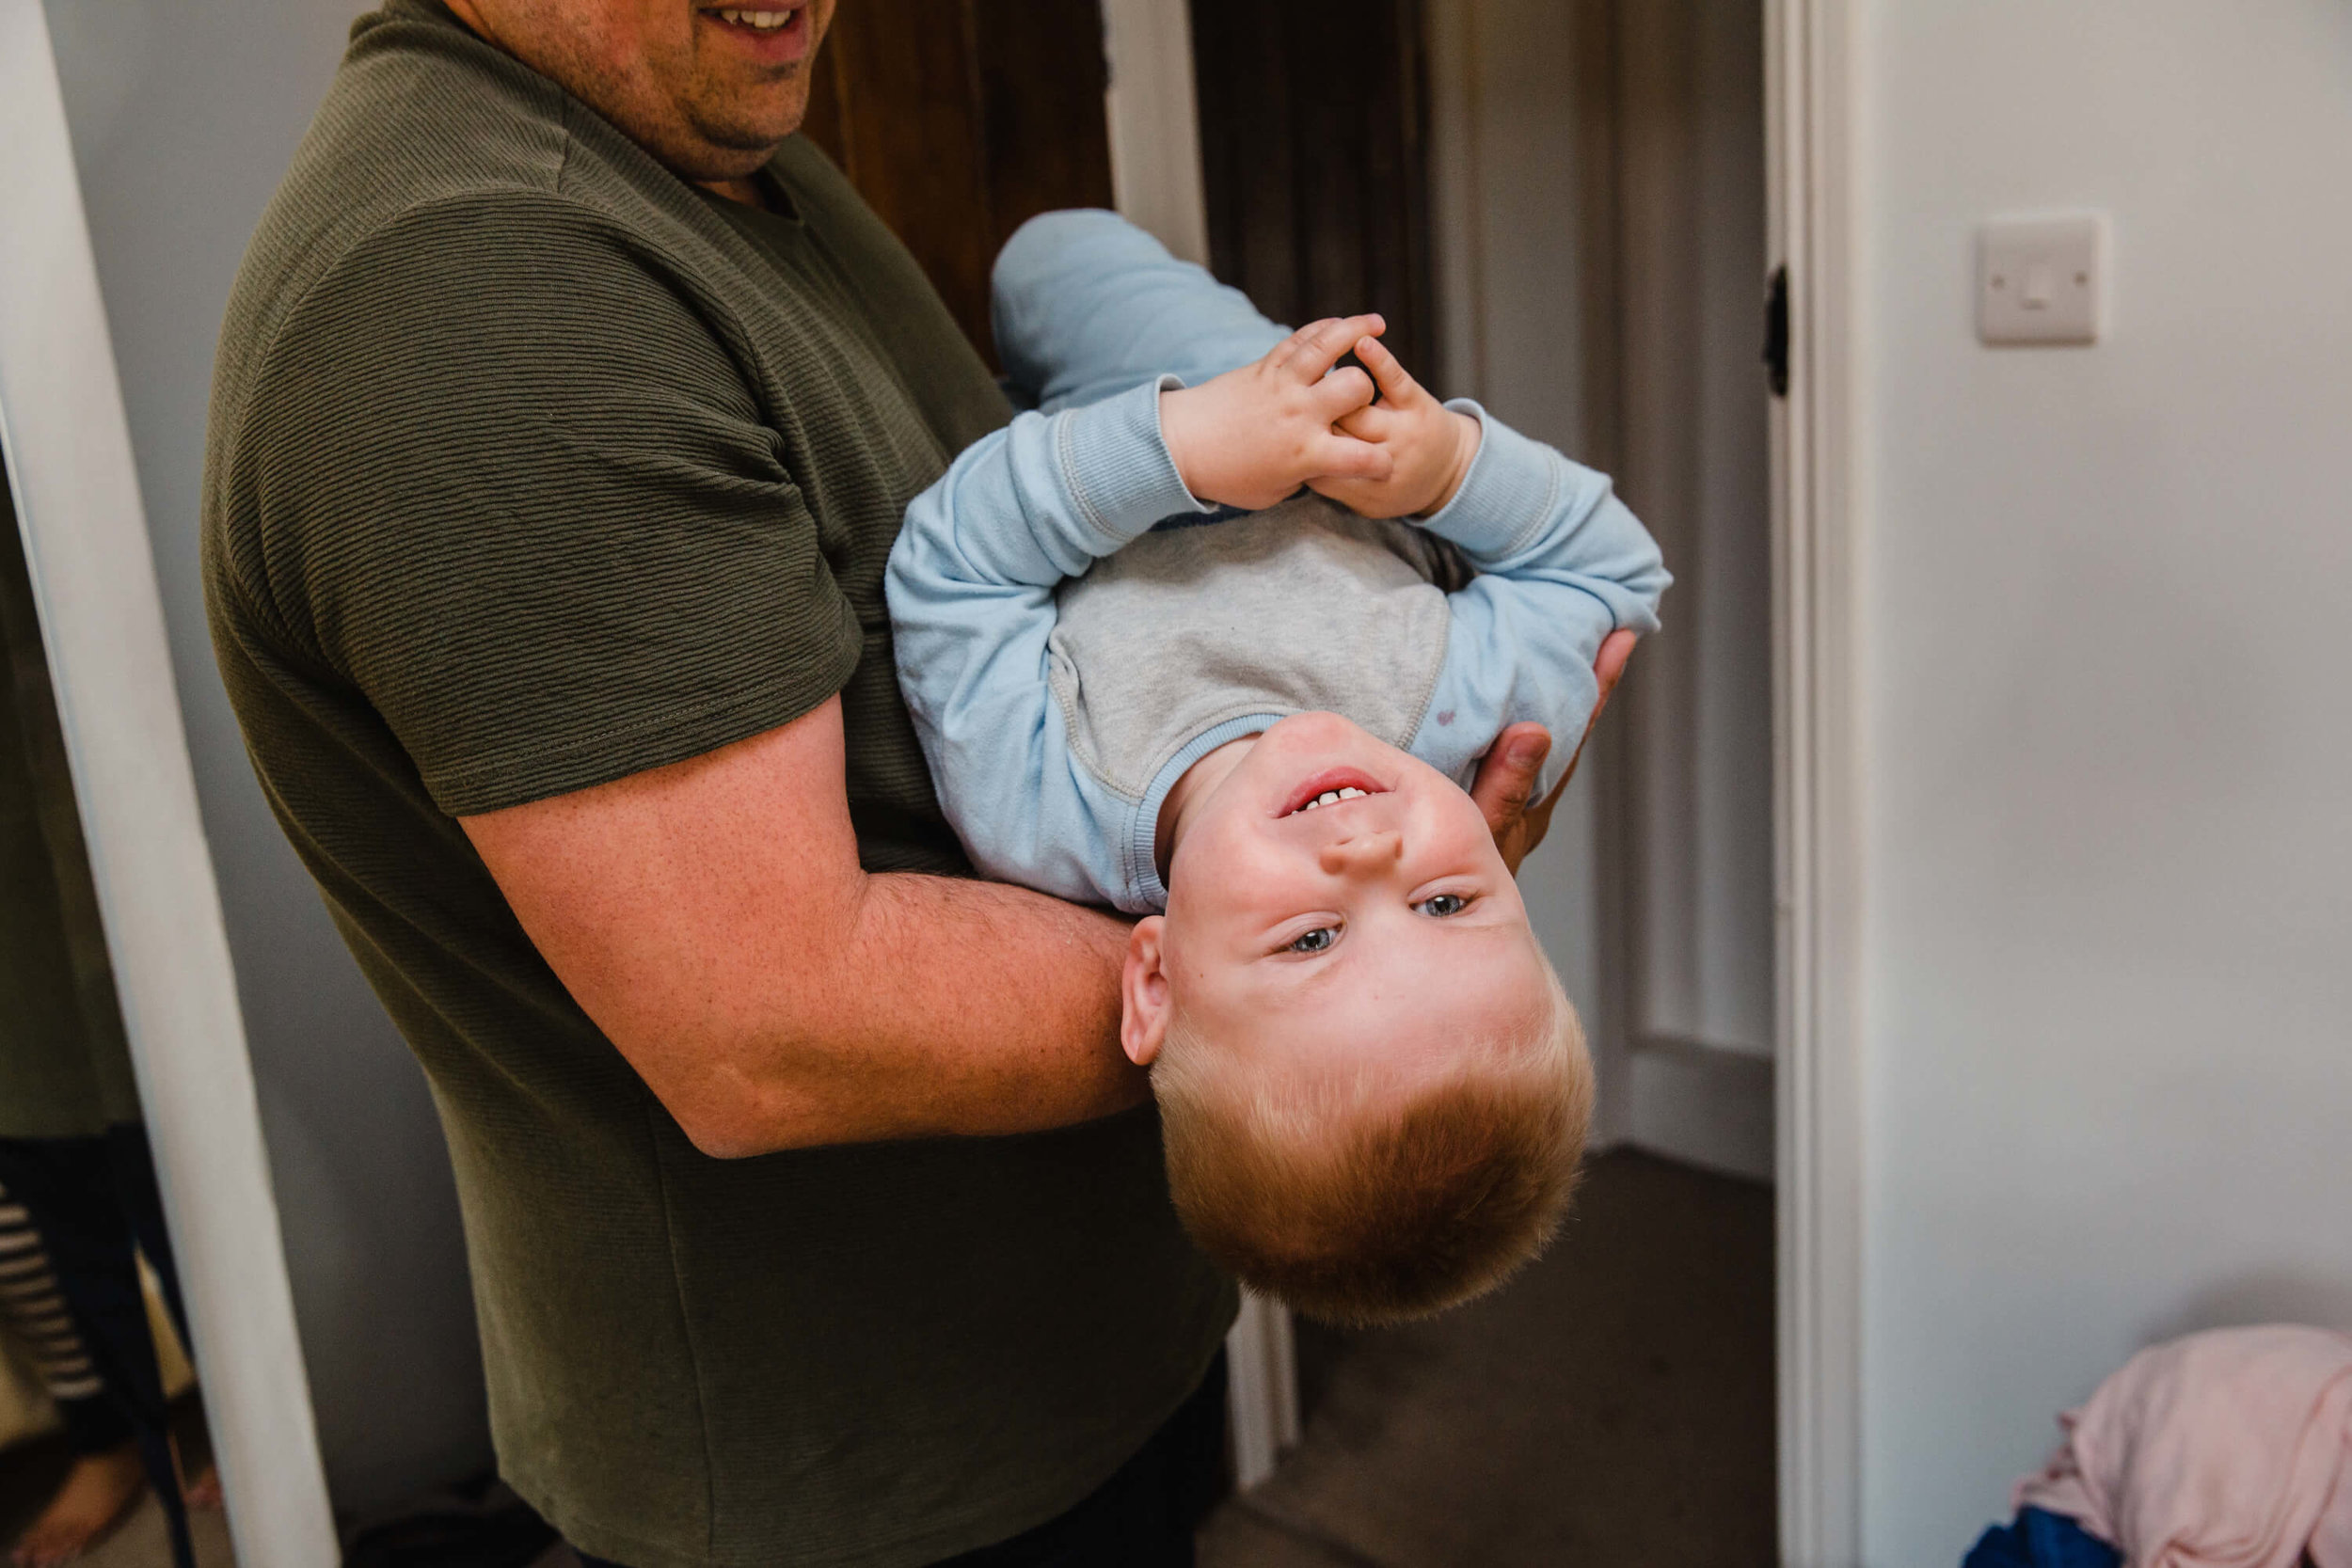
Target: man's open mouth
1330, 787
756, 21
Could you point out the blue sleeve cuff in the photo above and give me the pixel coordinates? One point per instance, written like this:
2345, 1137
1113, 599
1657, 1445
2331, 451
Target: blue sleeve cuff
1114, 460
1507, 496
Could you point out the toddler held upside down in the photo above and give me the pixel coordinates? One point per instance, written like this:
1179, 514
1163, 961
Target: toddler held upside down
1149, 670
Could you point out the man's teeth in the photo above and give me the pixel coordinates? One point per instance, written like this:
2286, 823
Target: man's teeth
1329, 795
764, 20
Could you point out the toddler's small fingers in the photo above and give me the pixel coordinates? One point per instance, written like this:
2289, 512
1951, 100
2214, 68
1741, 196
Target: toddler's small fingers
1285, 355
1396, 384
1302, 337
1344, 457
1312, 349
1341, 393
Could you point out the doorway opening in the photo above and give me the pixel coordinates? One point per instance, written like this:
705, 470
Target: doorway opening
1563, 202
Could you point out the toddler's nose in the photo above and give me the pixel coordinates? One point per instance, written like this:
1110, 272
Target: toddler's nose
1361, 853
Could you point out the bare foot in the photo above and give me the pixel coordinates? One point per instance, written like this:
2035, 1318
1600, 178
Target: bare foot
98, 1491
203, 1489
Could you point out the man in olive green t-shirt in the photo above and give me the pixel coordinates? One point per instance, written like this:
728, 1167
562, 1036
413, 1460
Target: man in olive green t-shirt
566, 408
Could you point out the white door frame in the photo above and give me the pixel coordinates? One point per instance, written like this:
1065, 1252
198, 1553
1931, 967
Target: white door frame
1809, 106
84, 534
1155, 124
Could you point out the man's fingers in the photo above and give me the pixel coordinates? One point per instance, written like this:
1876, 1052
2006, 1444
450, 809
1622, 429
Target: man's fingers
1608, 669
1313, 349
1506, 779
1396, 384
1609, 666
1505, 787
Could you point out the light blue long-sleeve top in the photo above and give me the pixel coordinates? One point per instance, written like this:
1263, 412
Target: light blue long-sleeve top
1053, 743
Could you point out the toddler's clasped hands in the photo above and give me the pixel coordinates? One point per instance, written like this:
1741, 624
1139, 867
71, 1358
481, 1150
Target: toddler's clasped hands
1253, 435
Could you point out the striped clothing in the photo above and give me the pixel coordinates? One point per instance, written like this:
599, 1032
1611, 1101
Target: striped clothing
33, 1308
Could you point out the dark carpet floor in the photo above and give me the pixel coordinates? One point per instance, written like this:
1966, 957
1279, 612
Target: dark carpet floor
1611, 1406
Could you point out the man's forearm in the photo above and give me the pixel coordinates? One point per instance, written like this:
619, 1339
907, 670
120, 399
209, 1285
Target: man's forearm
712, 918
946, 1007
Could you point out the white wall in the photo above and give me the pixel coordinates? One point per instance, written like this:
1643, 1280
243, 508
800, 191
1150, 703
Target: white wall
2108, 625
183, 118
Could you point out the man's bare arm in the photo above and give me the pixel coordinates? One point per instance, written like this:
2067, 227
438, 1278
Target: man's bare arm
711, 917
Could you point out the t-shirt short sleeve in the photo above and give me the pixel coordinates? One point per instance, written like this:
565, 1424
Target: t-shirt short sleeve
518, 491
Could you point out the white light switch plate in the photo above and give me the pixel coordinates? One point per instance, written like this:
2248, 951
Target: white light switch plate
2041, 280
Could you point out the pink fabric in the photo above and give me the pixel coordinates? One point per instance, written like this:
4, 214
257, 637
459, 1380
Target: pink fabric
2231, 1449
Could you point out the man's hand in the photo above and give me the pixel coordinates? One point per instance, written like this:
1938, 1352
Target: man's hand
1429, 445
1506, 780
1252, 436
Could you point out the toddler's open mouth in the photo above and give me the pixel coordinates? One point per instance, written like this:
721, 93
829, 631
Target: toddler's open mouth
1330, 787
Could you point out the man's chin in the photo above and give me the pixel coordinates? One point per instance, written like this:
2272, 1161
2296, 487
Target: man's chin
707, 165
735, 147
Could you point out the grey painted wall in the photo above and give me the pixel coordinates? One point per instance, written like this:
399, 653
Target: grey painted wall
184, 117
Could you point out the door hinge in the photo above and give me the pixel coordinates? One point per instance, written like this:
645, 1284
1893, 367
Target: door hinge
1777, 332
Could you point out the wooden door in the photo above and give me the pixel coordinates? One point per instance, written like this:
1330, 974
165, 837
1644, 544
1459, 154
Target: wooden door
1315, 161
958, 119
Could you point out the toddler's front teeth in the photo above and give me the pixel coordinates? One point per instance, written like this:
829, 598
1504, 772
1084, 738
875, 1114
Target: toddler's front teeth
763, 19
1329, 795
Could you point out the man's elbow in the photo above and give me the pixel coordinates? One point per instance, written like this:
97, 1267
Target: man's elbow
730, 1114
727, 1108
746, 1124
742, 1081
726, 1136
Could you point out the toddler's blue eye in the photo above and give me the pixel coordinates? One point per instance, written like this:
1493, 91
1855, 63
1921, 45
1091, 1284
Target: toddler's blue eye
1442, 905
1316, 941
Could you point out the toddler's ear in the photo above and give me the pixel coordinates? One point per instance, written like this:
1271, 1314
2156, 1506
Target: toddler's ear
1143, 989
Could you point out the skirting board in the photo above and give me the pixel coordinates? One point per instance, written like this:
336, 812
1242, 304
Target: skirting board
1702, 1105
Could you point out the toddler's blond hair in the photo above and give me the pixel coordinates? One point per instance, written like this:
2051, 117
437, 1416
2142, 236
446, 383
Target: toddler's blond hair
1360, 1203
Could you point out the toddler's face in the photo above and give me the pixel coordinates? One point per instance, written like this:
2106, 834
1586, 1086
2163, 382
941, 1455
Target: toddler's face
1301, 922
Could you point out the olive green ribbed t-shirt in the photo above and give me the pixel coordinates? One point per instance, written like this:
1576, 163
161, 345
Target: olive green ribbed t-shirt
530, 468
